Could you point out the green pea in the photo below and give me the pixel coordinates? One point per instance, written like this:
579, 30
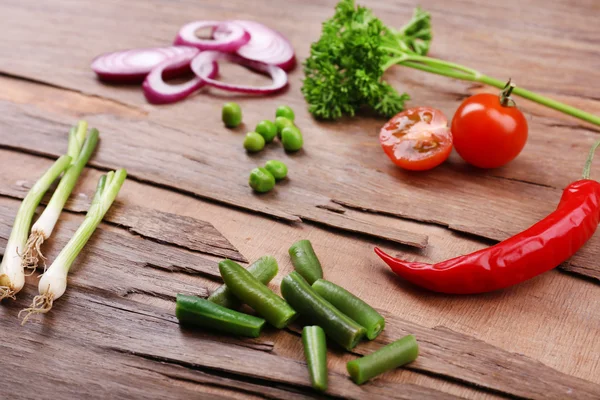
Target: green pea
261, 180
282, 122
285, 111
254, 142
231, 115
267, 130
277, 169
292, 138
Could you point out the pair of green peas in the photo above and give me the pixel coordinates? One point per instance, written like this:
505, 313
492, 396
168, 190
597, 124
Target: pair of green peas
263, 180
266, 130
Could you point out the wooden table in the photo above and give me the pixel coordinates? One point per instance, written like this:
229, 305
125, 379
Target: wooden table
187, 205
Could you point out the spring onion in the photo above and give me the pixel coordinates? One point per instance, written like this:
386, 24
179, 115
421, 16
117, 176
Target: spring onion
80, 151
12, 277
54, 281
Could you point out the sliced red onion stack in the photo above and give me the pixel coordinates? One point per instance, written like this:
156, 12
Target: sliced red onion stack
203, 63
233, 36
132, 66
265, 45
247, 43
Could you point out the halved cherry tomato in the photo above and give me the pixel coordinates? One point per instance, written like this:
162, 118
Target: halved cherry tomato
417, 139
487, 133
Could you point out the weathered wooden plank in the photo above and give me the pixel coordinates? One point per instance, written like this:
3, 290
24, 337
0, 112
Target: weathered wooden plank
91, 317
183, 231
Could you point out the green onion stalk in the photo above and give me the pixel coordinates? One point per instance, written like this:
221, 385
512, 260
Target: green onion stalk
81, 147
12, 276
53, 283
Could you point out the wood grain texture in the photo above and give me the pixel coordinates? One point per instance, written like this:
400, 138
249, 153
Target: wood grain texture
120, 297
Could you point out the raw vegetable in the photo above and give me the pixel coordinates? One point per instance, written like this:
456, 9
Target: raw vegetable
285, 111
231, 115
345, 67
267, 130
261, 180
489, 131
394, 355
157, 91
305, 261
12, 276
277, 169
254, 142
291, 138
264, 269
195, 311
352, 306
132, 66
536, 250
255, 294
281, 123
202, 66
315, 352
81, 147
417, 139
337, 325
265, 45
53, 283
232, 38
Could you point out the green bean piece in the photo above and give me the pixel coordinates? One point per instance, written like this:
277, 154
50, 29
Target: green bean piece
192, 310
305, 261
278, 169
291, 138
389, 357
352, 306
337, 325
254, 293
254, 142
285, 111
267, 129
315, 352
264, 269
261, 180
231, 115
281, 123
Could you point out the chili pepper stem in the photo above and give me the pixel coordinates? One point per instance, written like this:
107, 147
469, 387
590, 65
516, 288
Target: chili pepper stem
588, 162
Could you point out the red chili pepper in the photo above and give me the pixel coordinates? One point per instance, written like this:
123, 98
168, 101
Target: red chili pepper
540, 248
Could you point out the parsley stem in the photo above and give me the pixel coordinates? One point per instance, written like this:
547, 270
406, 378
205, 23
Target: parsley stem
457, 71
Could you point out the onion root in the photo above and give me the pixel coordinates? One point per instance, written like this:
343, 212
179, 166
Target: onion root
42, 303
32, 256
7, 293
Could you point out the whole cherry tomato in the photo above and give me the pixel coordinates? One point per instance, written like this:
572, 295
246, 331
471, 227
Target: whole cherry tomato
489, 130
417, 139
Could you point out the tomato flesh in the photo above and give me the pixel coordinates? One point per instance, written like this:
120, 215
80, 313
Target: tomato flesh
486, 133
417, 139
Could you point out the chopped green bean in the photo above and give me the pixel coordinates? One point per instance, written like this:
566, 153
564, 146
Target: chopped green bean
315, 352
352, 306
281, 123
264, 269
195, 311
305, 261
231, 115
277, 169
254, 142
337, 325
255, 294
394, 355
261, 180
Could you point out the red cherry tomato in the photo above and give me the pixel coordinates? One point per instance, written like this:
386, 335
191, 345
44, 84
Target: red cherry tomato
488, 134
417, 139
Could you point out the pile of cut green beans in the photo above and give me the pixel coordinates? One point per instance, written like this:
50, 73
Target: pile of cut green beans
330, 312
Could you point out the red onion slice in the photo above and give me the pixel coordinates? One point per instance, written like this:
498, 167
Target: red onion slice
265, 45
132, 66
157, 91
232, 36
201, 66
